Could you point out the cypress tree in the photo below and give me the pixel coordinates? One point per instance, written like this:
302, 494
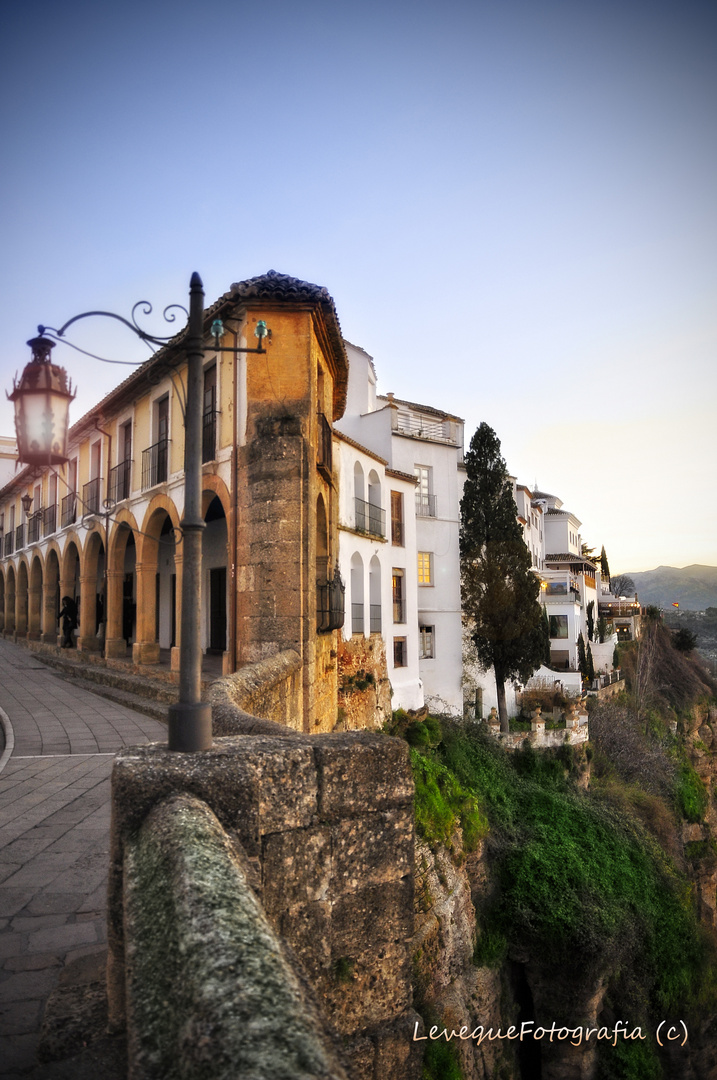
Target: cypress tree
582, 657
605, 569
499, 589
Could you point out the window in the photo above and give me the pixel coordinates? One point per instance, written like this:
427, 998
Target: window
558, 626
399, 600
209, 414
425, 567
425, 644
397, 536
399, 652
425, 501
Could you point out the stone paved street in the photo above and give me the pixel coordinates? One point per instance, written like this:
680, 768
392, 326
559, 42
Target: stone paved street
54, 836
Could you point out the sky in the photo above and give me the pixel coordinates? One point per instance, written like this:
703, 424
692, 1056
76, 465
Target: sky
513, 204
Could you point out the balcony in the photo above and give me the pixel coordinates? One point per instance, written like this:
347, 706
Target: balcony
91, 497
69, 510
425, 505
324, 460
330, 604
50, 520
375, 618
154, 464
9, 544
357, 618
370, 518
422, 428
209, 435
34, 526
19, 537
120, 479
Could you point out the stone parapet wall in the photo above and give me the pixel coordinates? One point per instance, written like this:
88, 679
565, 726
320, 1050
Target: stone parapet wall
326, 824
269, 690
210, 988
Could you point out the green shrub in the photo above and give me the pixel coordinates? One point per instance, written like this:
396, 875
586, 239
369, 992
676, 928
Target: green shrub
442, 804
691, 794
440, 1061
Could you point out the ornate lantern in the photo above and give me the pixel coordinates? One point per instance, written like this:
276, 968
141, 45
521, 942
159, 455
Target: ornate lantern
42, 401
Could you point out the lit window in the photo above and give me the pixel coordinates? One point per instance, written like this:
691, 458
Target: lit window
399, 652
426, 642
425, 568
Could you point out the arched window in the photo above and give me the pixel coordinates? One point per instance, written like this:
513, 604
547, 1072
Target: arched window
357, 604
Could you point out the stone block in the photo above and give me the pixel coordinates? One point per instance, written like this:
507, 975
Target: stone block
373, 916
366, 991
372, 850
308, 930
351, 765
296, 868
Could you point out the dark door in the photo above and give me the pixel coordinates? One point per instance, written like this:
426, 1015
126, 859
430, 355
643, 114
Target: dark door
218, 609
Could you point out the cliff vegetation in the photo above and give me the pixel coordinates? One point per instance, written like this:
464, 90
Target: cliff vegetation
589, 876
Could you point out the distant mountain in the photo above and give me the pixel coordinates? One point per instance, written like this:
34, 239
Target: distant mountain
694, 588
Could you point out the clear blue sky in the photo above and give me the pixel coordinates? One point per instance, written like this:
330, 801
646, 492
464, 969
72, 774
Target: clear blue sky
514, 206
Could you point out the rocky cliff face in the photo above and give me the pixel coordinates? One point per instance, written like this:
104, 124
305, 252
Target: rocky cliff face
449, 989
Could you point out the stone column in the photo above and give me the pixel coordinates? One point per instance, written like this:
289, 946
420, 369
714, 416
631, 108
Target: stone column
34, 624
48, 635
87, 640
115, 645
146, 649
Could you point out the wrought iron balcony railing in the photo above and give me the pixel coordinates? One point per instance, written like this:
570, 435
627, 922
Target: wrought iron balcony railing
34, 526
9, 543
91, 496
50, 520
69, 509
19, 537
154, 464
120, 478
370, 518
375, 618
209, 435
357, 618
425, 505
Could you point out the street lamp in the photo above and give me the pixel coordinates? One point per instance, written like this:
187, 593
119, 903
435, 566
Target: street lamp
42, 398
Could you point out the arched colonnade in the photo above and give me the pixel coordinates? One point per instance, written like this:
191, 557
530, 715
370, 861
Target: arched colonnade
127, 586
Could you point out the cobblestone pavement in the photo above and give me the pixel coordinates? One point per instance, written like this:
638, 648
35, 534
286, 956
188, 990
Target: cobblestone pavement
54, 836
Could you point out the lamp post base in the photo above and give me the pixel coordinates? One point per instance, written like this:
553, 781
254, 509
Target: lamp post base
190, 727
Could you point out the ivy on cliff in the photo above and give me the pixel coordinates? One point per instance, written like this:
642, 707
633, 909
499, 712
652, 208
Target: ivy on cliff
579, 882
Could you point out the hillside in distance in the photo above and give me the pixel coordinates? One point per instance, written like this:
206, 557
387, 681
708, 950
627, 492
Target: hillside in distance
694, 587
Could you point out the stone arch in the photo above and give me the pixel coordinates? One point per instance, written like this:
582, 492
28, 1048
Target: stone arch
10, 588
21, 598
215, 540
51, 595
34, 627
71, 572
213, 485
121, 585
94, 564
157, 581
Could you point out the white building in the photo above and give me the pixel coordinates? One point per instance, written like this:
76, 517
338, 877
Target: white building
426, 444
377, 542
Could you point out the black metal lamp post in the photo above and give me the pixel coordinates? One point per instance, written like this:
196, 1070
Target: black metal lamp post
42, 398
